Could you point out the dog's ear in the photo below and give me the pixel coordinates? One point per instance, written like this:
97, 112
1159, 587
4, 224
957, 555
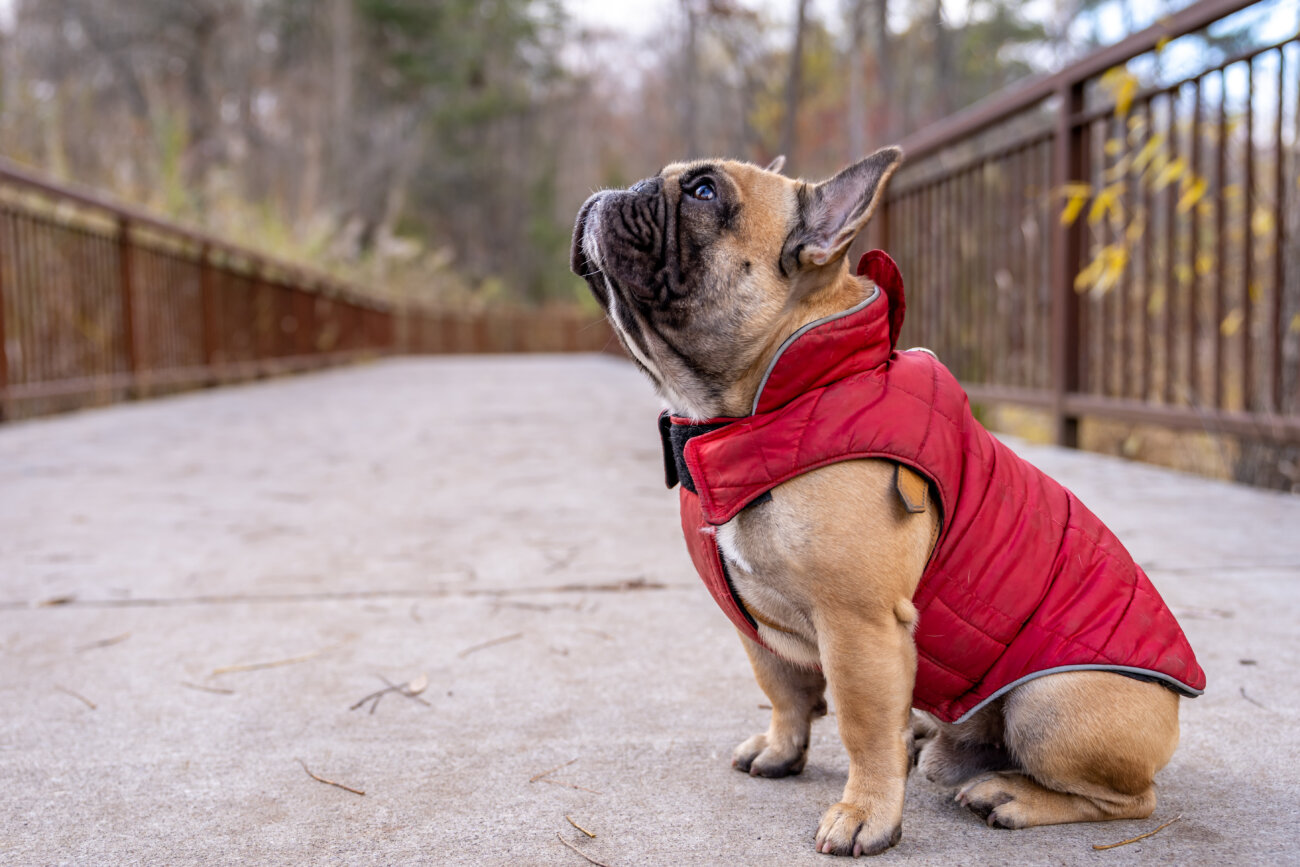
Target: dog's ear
832, 213
777, 164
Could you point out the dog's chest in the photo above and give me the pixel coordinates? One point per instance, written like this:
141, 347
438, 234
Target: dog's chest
759, 545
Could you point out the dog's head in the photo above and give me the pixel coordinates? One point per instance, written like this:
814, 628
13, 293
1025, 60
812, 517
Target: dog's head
706, 267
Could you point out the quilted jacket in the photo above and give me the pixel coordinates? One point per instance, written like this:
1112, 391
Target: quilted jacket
1023, 581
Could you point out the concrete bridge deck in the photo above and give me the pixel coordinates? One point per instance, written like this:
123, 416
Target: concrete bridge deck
195, 591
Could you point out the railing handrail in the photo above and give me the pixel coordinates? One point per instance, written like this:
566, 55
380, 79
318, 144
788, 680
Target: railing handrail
13, 173
1018, 98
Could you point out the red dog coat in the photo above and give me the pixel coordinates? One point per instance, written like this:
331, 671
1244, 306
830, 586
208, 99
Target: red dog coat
1023, 581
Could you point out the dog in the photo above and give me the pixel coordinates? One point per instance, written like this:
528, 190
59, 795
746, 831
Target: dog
840, 503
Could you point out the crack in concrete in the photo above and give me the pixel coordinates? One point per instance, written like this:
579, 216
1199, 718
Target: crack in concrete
625, 585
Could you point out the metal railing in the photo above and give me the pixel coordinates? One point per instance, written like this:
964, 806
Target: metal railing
100, 302
1093, 248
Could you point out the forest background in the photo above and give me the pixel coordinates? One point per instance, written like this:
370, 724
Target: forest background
437, 150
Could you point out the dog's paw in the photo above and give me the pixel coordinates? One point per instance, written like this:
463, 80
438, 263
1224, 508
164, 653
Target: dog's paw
850, 830
990, 797
761, 756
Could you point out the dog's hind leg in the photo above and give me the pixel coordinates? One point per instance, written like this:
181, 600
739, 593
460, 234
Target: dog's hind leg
1012, 800
1088, 745
953, 755
797, 695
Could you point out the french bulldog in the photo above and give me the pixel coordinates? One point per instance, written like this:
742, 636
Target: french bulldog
707, 272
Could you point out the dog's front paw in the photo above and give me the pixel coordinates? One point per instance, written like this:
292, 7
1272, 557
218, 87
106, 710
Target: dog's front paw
847, 829
761, 756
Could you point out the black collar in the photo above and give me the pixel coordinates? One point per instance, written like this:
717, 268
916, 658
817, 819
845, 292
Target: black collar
674, 436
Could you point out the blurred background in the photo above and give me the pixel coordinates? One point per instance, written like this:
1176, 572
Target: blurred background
440, 149
1099, 217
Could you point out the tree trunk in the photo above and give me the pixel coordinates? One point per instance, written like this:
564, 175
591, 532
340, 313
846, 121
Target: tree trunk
943, 62
341, 66
857, 81
885, 101
794, 90
691, 120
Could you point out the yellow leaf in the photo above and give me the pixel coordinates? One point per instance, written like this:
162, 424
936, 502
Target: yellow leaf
1071, 211
1104, 271
1231, 323
1148, 151
1158, 163
1107, 201
1113, 146
1205, 209
1204, 264
1089, 275
1078, 194
1161, 43
1295, 324
1183, 273
1116, 260
1193, 195
1256, 291
1262, 221
1170, 173
1122, 85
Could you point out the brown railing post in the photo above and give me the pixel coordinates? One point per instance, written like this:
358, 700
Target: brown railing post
208, 297
1069, 163
128, 314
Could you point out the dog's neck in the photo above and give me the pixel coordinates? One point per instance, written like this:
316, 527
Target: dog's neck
842, 292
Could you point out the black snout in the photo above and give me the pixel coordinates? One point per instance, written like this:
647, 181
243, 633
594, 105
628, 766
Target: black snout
577, 256
618, 241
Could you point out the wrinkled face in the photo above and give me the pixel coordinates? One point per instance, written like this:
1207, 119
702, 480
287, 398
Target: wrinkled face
688, 266
703, 268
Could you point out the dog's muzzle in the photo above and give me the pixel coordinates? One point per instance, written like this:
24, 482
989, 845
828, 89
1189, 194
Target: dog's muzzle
584, 255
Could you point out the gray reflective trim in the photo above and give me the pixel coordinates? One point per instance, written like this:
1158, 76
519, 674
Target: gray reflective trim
1177, 685
875, 293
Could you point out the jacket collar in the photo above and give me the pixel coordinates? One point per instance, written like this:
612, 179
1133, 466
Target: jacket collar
845, 343
823, 351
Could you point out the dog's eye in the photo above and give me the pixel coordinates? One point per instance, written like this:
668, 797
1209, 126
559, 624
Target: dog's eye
704, 191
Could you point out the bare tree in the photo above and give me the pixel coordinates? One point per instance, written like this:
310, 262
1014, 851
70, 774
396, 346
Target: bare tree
884, 63
794, 85
857, 65
691, 121
869, 50
943, 60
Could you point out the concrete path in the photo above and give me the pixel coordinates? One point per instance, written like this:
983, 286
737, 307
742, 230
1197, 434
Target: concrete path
195, 591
